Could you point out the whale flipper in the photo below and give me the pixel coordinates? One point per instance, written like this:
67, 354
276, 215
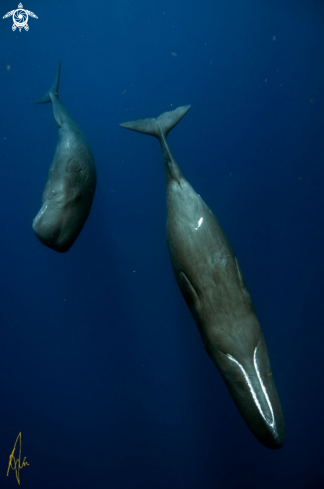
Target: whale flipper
46, 99
163, 124
188, 291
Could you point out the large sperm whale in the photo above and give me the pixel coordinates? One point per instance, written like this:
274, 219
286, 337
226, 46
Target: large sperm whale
71, 183
210, 279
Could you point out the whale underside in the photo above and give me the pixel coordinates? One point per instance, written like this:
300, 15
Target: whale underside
211, 282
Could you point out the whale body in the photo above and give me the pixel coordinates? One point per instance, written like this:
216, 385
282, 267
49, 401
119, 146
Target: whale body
211, 281
71, 183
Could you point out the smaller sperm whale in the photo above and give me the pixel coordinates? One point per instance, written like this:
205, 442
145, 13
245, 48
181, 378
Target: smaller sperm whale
71, 182
210, 279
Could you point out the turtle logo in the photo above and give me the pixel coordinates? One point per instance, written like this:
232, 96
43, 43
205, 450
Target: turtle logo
20, 18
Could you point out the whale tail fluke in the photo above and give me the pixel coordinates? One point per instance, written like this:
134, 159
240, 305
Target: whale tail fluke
158, 127
52, 91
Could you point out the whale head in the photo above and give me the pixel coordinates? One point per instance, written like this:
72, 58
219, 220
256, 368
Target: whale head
61, 218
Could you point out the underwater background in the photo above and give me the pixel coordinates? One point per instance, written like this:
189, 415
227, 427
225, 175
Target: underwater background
101, 364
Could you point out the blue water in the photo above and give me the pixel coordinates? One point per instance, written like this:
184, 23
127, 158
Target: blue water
101, 364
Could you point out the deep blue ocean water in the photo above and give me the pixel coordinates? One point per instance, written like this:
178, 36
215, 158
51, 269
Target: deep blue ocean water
101, 364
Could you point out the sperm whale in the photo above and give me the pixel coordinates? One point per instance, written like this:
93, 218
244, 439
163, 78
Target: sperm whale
211, 281
71, 183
